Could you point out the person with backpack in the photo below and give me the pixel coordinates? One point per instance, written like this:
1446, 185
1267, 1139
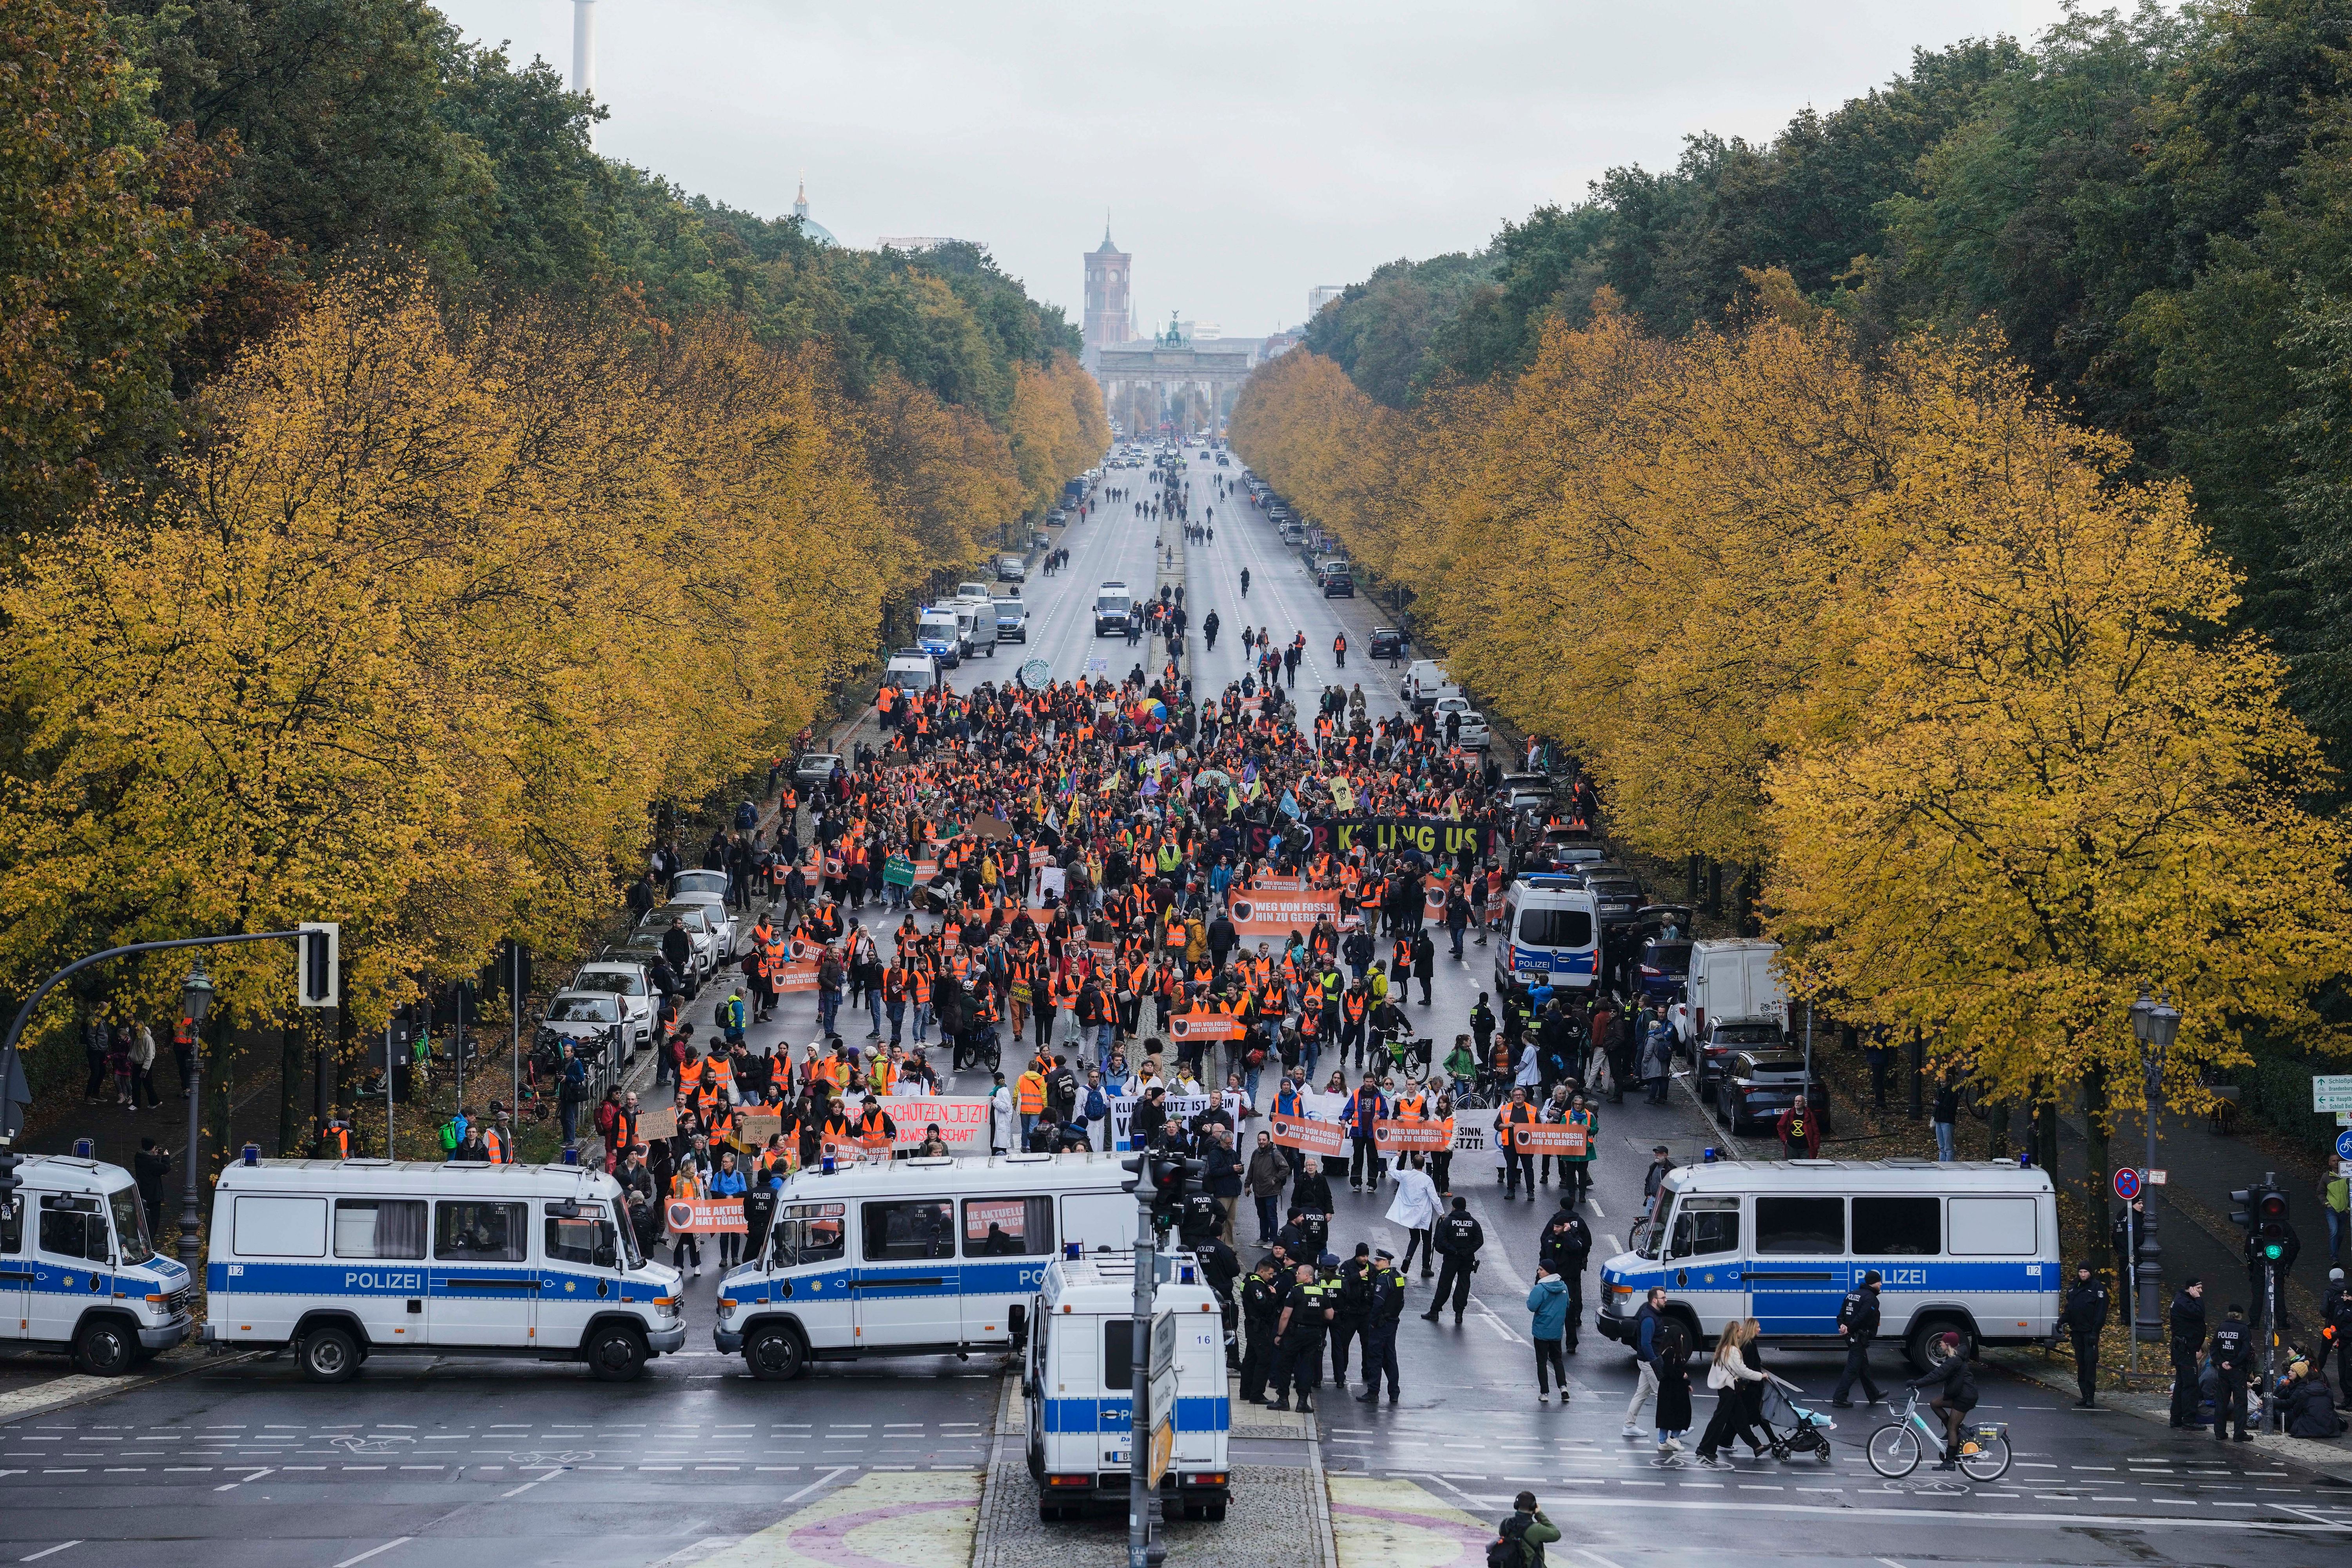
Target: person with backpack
1549, 1302
1519, 1541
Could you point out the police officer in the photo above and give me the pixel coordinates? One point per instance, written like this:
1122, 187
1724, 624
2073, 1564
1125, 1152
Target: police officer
1565, 1245
1352, 1308
2232, 1358
2335, 1325
2084, 1316
1261, 1310
1380, 1330
2188, 1339
1219, 1270
1458, 1237
1306, 1314
1857, 1324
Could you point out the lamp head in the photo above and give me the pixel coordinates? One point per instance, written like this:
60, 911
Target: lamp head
196, 995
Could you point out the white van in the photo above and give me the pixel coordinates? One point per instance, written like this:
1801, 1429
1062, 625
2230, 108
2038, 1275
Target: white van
1552, 931
1079, 1378
927, 1257
342, 1258
1113, 604
79, 1272
1970, 1247
976, 624
1730, 981
937, 634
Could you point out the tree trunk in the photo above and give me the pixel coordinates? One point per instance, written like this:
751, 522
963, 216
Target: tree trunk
289, 1083
2094, 1178
2045, 1128
1997, 1131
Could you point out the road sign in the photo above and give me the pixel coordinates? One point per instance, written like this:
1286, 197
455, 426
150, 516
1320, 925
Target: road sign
1163, 1448
2127, 1183
1164, 1347
2344, 1145
2155, 1178
2331, 1093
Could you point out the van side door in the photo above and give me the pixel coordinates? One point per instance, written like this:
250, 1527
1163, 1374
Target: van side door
1007, 1243
482, 1287
380, 1246
1797, 1270
578, 1272
906, 1289
1702, 1261
72, 1261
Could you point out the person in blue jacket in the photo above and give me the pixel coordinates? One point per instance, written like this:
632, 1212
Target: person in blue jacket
1549, 1302
728, 1182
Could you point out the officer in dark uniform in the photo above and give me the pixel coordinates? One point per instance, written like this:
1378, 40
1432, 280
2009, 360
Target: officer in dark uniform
2187, 1339
2335, 1327
2232, 1358
1381, 1329
2084, 1316
1857, 1323
1458, 1237
1219, 1266
1261, 1310
1306, 1314
1353, 1307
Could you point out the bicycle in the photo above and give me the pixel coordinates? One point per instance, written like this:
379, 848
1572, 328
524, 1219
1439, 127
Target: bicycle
1410, 1057
1896, 1448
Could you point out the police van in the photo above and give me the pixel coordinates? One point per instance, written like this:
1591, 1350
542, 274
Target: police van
923, 1257
342, 1258
939, 633
1551, 932
1113, 606
79, 1272
1967, 1249
1079, 1383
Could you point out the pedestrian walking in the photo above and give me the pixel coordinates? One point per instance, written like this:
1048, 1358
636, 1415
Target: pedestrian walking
1673, 1388
1857, 1325
1415, 1210
1548, 1302
1730, 1376
1646, 1327
1564, 1247
2084, 1315
2231, 1360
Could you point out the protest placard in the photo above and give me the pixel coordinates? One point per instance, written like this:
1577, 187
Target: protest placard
1326, 1138
1259, 914
1400, 1136
701, 1216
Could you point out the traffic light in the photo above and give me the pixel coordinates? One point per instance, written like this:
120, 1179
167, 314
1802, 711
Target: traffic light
318, 981
9, 1180
2262, 1211
1138, 1169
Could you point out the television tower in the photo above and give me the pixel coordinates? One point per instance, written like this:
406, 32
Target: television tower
584, 53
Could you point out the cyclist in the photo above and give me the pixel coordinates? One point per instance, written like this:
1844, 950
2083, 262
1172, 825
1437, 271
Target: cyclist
1956, 1394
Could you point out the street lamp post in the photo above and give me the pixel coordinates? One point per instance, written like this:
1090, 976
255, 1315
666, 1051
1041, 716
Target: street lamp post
2155, 1024
195, 1003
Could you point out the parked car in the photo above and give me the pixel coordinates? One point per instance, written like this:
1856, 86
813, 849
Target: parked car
1716, 1046
1336, 578
628, 981
644, 946
708, 889
1616, 892
1011, 569
1756, 1086
590, 1020
815, 767
1664, 966
1387, 642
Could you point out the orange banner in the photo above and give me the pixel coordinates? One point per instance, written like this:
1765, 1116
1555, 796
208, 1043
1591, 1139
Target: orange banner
1313, 1137
687, 1215
1546, 1138
1270, 914
1427, 1136
1206, 1026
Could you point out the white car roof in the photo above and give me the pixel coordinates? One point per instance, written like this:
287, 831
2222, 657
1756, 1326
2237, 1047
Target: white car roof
960, 1176
1826, 1176
416, 1178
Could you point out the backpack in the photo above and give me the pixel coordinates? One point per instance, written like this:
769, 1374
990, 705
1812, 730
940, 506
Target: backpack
1509, 1549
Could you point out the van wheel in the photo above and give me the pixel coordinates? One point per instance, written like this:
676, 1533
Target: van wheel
329, 1354
1926, 1347
1216, 1512
102, 1347
776, 1354
616, 1353
1050, 1513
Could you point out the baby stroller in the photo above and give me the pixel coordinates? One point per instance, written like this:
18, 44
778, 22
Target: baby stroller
1792, 1428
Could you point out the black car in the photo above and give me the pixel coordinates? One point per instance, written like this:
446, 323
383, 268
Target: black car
1714, 1048
1616, 892
1387, 643
1757, 1086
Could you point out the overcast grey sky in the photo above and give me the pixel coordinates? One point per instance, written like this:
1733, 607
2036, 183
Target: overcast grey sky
1245, 149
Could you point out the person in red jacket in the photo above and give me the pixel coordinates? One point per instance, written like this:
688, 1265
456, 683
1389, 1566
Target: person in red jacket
1800, 1132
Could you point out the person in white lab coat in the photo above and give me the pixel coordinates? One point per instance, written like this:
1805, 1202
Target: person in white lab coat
1417, 1208
1004, 1124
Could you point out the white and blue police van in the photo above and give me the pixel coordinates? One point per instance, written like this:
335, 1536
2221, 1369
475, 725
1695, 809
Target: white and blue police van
1551, 934
79, 1272
922, 1257
340, 1259
937, 633
1078, 1380
1968, 1248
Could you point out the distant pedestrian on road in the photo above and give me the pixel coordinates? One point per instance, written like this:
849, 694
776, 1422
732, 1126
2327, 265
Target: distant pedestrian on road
1549, 1302
1646, 1325
1857, 1325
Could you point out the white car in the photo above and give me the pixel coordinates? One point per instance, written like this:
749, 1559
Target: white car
708, 889
699, 933
627, 982
974, 592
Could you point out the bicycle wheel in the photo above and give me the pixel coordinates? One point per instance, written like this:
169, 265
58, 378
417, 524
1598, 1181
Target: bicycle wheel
1990, 1462
1894, 1451
1637, 1234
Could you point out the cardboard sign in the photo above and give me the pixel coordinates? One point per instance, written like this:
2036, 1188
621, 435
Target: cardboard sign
653, 1124
756, 1127
1277, 885
1205, 1026
991, 828
1427, 1136
1276, 914
1325, 1138
701, 1216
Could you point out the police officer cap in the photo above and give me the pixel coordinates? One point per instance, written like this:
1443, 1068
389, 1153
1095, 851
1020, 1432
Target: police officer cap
1384, 1252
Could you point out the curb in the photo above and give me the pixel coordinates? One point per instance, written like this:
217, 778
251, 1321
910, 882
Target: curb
90, 1390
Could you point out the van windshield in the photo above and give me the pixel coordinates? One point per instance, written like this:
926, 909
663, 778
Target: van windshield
1556, 927
130, 1225
809, 1233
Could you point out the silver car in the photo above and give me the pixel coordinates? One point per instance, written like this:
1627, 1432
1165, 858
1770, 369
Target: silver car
708, 890
699, 933
627, 982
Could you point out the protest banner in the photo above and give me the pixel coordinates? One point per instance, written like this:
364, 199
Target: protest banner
1257, 915
1437, 837
1546, 1138
1180, 1107
703, 1216
1199, 1026
1399, 1136
754, 1128
1326, 1138
962, 1122
1433, 898
653, 1124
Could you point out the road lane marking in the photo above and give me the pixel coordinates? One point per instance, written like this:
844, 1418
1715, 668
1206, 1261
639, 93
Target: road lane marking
374, 1552
48, 1552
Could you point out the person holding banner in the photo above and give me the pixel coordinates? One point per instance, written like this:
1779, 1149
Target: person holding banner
1519, 1159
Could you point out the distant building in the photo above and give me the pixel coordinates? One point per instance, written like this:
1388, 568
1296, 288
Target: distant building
1280, 342
1109, 318
1321, 295
809, 226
